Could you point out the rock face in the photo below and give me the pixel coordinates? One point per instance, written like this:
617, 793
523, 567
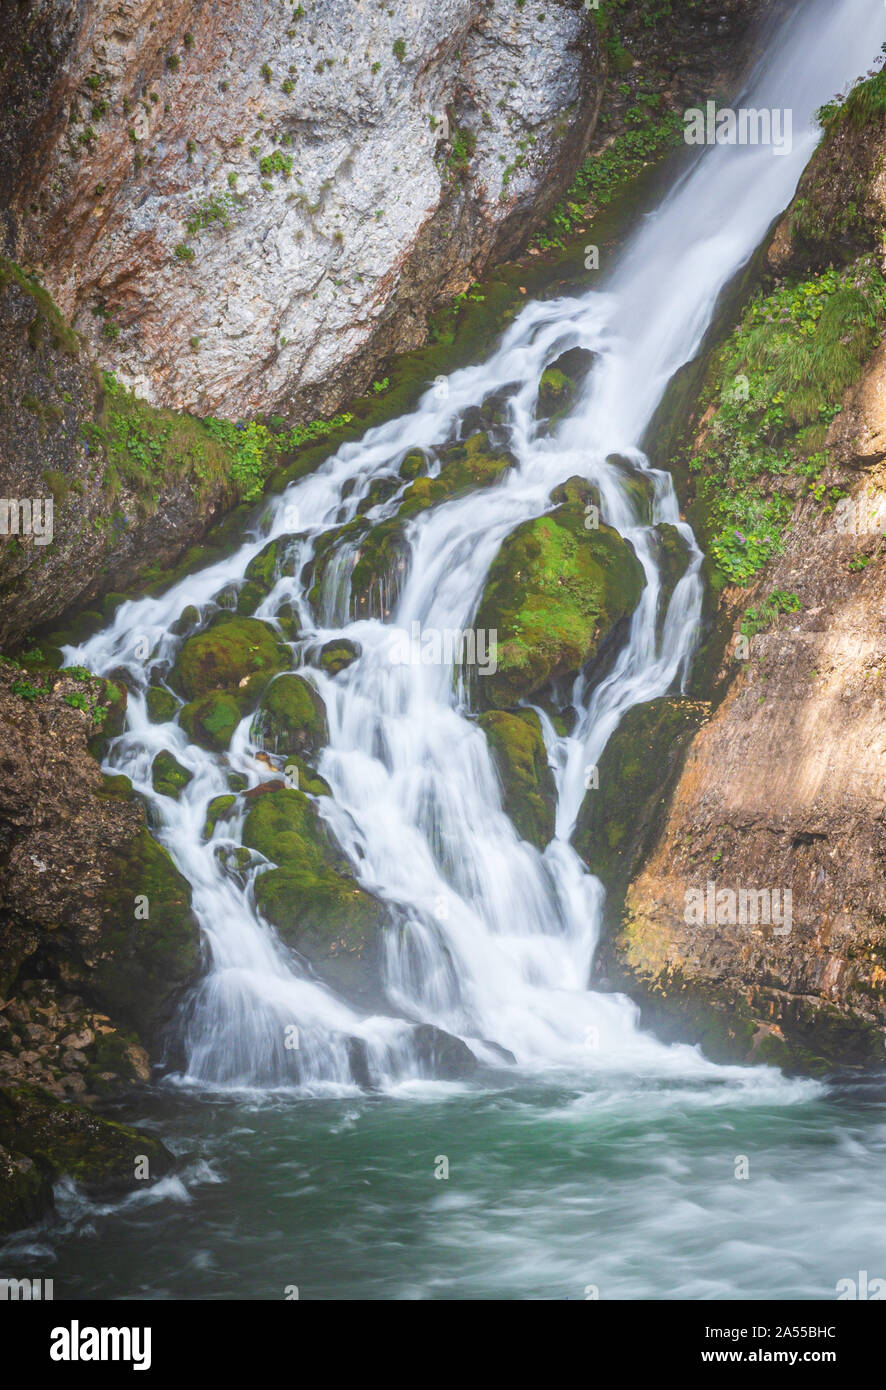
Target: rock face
784, 788
76, 855
291, 187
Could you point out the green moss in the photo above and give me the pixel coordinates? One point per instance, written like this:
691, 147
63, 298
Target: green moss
66, 1139
292, 717
48, 316
528, 790
231, 650
464, 467
168, 776
211, 720
337, 655
217, 810
555, 592
161, 705
620, 815
310, 898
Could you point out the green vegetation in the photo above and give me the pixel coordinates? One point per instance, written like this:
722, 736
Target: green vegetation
758, 619
276, 163
774, 388
398, 48
606, 172
865, 102
215, 210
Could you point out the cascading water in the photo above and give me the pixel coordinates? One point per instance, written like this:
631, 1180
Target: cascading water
493, 940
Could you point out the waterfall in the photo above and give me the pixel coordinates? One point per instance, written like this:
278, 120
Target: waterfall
490, 939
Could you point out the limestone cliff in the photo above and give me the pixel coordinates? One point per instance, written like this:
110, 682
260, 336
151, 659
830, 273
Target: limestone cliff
244, 206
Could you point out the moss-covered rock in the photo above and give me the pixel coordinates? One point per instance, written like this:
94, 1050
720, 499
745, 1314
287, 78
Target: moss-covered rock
168, 775
292, 717
312, 900
619, 817
218, 809
64, 1139
463, 467
211, 721
162, 706
528, 790
25, 1191
233, 653
556, 592
335, 656
560, 382
149, 952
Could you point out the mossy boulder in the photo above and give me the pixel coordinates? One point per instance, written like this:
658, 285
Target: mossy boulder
218, 809
149, 952
560, 382
211, 721
528, 791
619, 817
312, 900
335, 656
168, 776
414, 465
292, 717
162, 706
555, 594
380, 570
64, 1139
463, 468
233, 653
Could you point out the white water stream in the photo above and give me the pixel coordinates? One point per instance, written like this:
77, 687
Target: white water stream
492, 940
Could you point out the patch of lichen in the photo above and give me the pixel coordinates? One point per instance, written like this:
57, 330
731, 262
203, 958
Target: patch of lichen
528, 791
555, 592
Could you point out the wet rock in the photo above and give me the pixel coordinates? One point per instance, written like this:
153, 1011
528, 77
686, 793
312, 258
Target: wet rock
292, 717
65, 1140
168, 776
442, 1056
529, 794
25, 1191
161, 704
337, 655
556, 592
311, 897
212, 720
232, 654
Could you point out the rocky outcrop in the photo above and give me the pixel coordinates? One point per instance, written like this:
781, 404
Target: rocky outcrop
758, 923
244, 207
91, 907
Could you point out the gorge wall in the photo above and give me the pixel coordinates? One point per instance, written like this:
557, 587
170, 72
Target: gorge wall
783, 787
